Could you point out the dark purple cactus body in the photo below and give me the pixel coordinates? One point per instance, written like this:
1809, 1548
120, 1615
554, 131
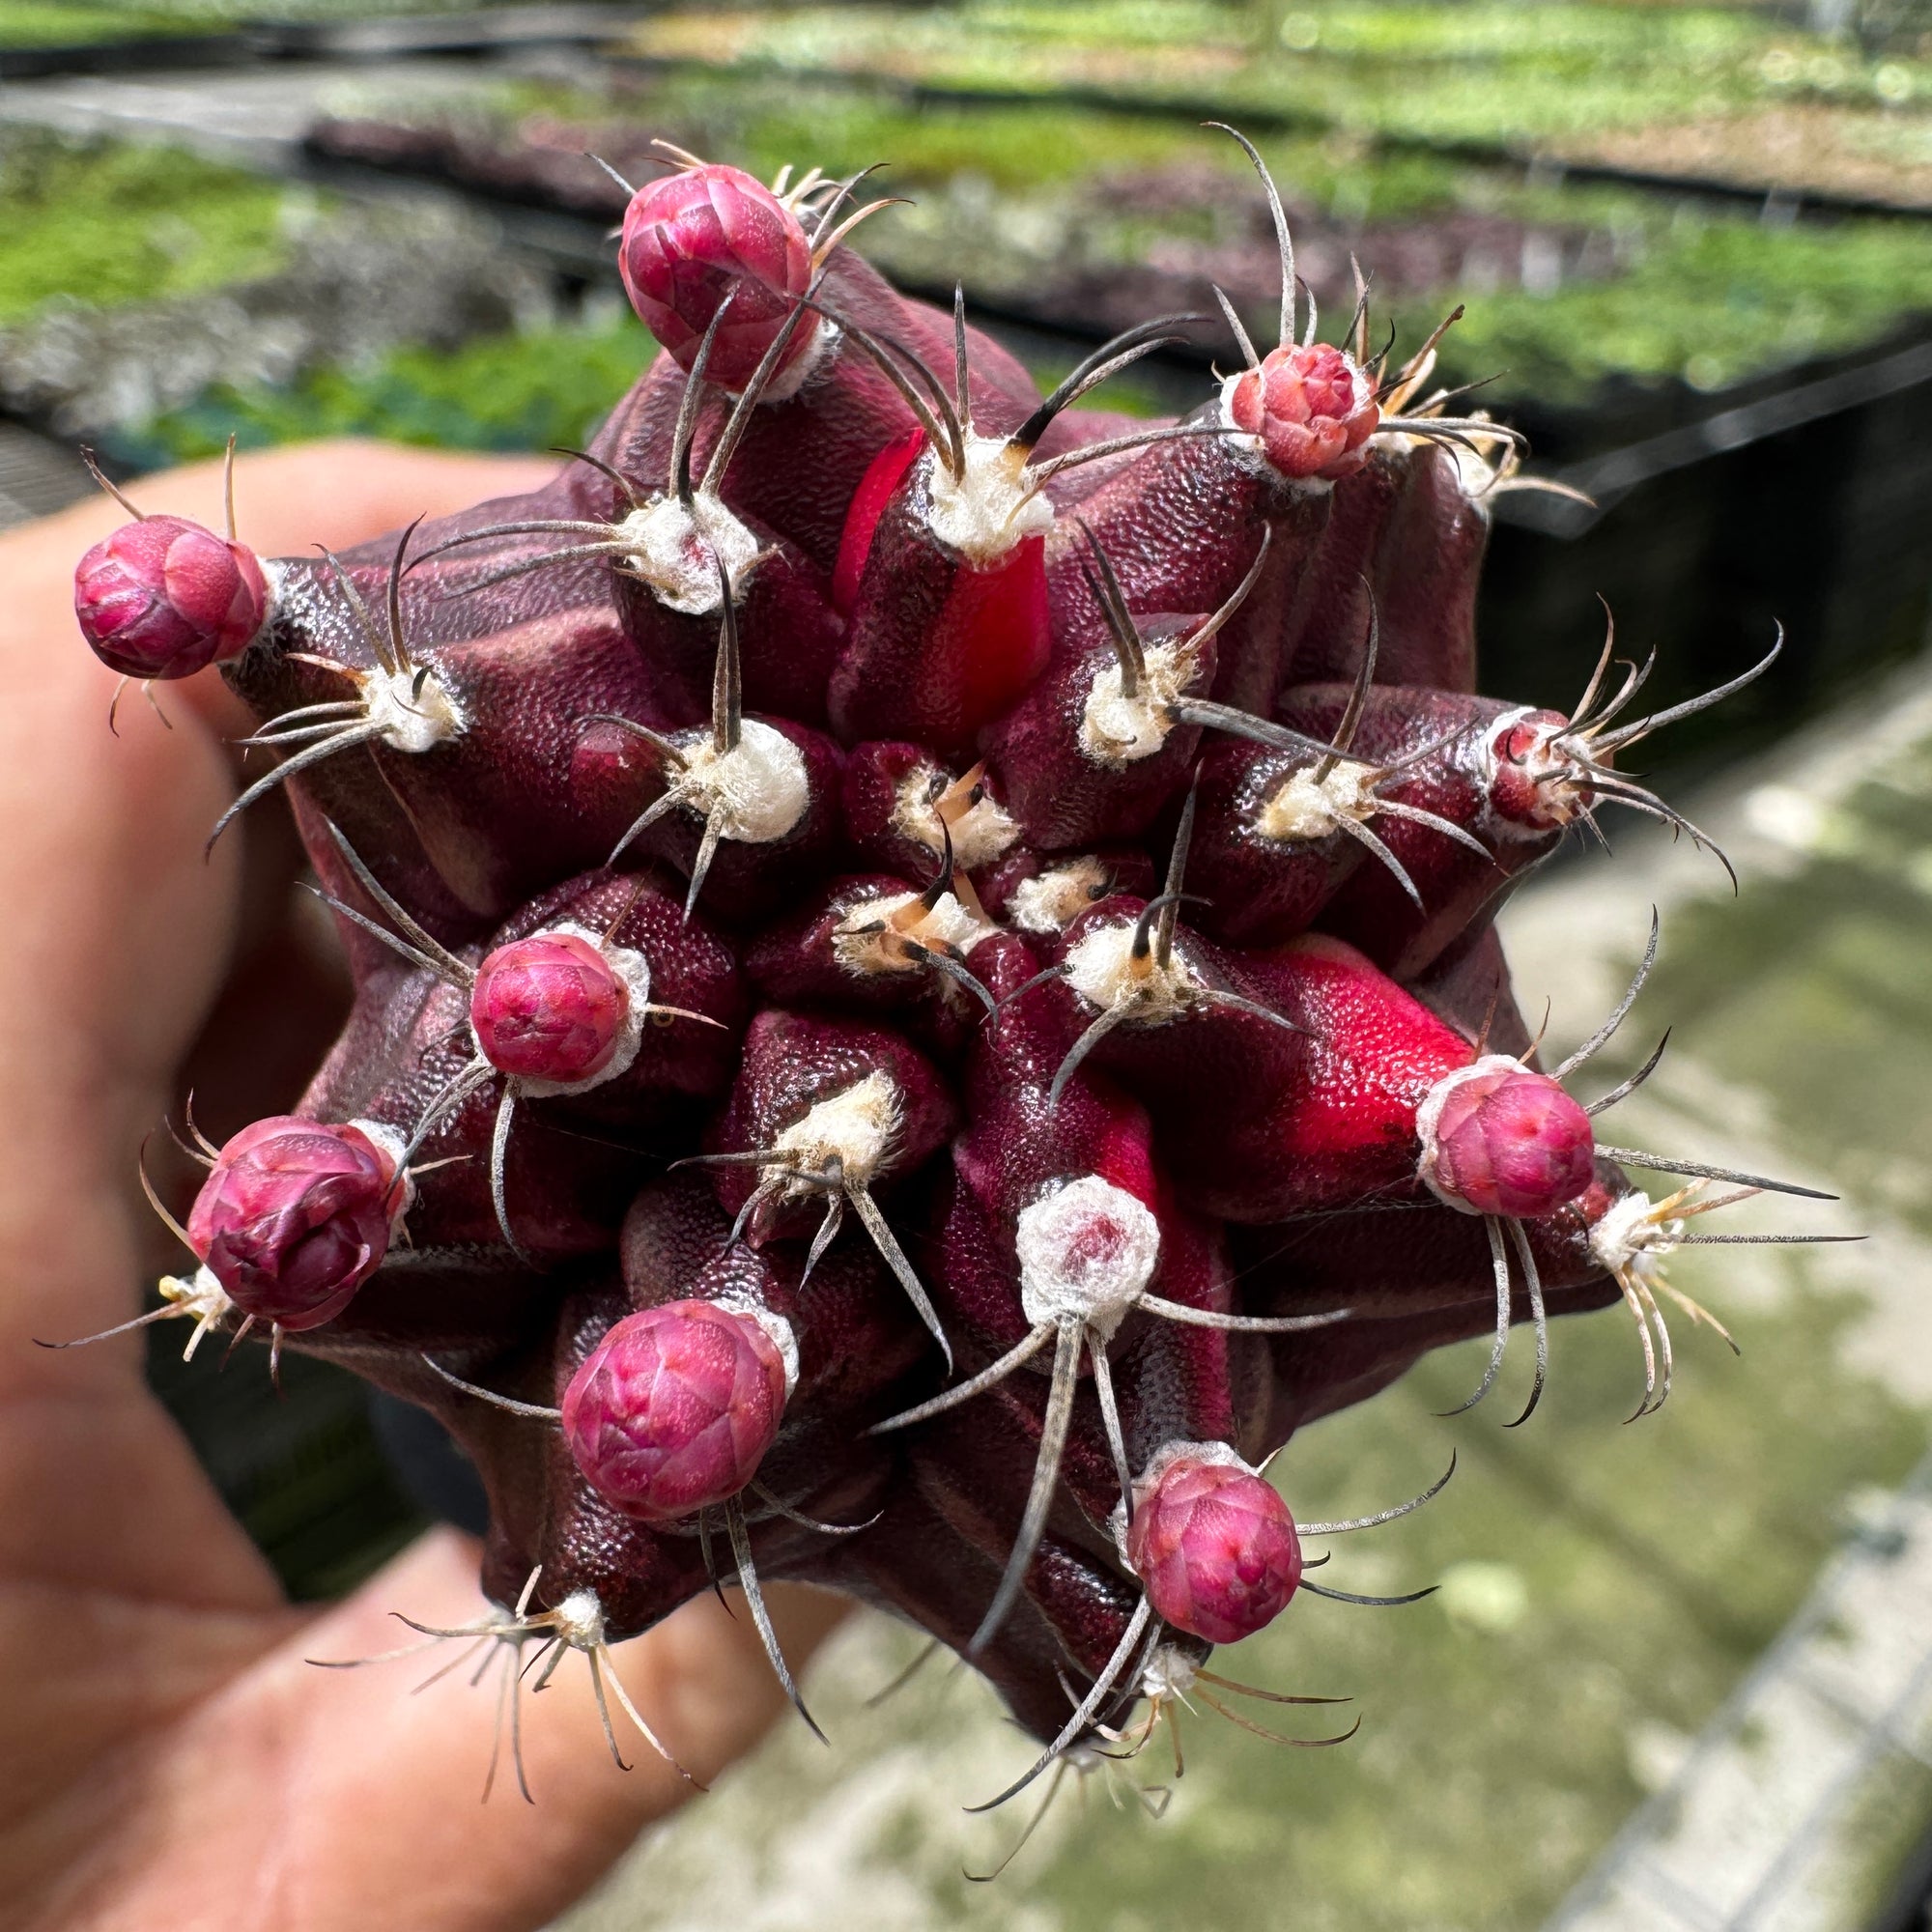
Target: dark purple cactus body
920, 1010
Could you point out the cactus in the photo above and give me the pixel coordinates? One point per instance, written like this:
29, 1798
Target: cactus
926, 991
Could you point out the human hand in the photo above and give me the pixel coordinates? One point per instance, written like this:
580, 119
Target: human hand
168, 1759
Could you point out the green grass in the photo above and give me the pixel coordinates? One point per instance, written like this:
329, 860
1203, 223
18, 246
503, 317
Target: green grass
58, 23
1478, 71
52, 23
1707, 300
108, 224
546, 388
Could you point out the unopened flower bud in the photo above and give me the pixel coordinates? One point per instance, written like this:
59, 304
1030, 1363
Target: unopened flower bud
675, 1409
162, 597
1312, 408
1497, 1139
295, 1216
1214, 1547
691, 240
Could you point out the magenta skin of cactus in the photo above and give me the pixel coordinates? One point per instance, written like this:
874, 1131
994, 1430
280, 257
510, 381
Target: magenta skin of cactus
1507, 1141
1216, 1548
163, 597
675, 1409
1260, 891
1473, 781
1268, 1158
547, 1008
1380, 1265
791, 1063
1182, 525
1313, 409
1063, 794
1426, 574
294, 1217
691, 240
1330, 620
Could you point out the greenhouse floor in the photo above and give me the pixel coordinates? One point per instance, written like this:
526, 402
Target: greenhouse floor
232, 114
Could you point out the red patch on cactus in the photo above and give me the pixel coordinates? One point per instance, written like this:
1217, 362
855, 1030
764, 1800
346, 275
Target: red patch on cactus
675, 1409
1215, 1547
868, 504
163, 597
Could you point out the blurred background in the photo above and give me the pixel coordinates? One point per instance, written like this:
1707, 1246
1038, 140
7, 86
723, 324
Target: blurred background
1677, 1674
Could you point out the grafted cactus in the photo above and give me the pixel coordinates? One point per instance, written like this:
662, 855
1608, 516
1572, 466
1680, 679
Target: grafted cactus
927, 991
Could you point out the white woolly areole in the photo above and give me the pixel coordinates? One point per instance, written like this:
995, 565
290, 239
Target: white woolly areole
392, 1146
1103, 971
201, 1295
947, 925
821, 338
1249, 448
1303, 809
1087, 1250
676, 549
1628, 1240
1170, 1673
578, 1620
858, 1124
1058, 896
759, 784
1562, 795
988, 509
776, 1327
1116, 730
1156, 1466
272, 570
980, 834
634, 974
413, 709
1429, 1119
1476, 471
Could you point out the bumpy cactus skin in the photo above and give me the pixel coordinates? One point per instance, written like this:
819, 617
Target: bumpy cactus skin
769, 858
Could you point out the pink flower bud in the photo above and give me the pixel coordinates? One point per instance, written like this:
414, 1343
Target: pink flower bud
1497, 1139
295, 1217
690, 240
162, 597
549, 1007
1312, 408
675, 1408
1215, 1548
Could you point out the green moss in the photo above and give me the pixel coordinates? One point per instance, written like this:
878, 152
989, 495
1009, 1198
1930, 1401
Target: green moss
534, 391
1483, 72
107, 223
1707, 300
52, 23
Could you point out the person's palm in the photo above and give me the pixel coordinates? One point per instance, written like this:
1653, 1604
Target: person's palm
167, 1755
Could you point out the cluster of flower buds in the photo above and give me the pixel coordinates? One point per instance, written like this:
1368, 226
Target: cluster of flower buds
927, 988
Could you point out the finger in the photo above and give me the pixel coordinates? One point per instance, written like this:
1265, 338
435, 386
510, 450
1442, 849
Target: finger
330, 1793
